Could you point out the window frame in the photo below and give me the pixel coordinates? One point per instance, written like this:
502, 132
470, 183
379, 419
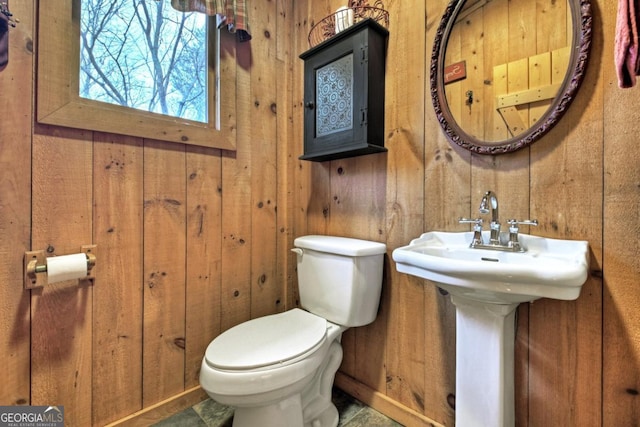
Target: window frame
59, 102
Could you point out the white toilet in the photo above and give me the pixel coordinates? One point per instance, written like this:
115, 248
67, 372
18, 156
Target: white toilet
278, 370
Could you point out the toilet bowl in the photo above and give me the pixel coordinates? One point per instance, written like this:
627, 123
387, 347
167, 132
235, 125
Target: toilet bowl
258, 364
278, 370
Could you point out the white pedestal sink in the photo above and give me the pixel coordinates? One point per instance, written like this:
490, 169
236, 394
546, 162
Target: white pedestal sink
486, 287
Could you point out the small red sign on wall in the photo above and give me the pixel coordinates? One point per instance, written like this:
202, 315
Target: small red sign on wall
455, 72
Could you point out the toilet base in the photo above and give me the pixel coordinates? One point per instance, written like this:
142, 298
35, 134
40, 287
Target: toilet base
285, 413
310, 408
329, 418
319, 410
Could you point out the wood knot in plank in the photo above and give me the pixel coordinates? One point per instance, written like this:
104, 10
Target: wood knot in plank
180, 342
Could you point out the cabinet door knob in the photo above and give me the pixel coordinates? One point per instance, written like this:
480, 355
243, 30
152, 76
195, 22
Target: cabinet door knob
309, 105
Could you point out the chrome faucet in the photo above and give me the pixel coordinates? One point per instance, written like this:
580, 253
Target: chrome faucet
489, 203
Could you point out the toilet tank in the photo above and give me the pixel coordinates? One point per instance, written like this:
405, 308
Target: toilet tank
340, 278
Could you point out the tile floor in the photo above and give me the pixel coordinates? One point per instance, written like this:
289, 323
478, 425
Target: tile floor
353, 413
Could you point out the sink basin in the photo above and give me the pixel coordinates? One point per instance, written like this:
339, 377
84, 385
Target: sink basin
550, 268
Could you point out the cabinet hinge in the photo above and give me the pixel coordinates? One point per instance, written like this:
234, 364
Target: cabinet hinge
365, 53
363, 116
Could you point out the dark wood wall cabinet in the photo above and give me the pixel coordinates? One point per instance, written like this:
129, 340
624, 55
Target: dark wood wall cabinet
344, 94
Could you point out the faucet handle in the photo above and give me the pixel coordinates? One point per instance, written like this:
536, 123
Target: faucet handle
514, 226
462, 220
476, 221
477, 230
515, 223
514, 243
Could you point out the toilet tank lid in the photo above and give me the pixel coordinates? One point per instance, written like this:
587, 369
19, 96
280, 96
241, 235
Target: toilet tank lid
340, 245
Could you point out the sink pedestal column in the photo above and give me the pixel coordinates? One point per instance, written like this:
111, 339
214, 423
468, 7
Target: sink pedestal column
485, 335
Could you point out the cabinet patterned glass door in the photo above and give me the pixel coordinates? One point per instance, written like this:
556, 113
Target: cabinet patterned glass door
334, 96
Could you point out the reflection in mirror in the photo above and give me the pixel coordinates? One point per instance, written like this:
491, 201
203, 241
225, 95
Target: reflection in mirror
144, 55
516, 56
504, 71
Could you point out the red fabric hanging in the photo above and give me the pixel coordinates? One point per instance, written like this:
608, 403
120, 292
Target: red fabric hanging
626, 43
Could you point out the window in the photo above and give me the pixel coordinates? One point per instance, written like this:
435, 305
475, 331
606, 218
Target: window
151, 72
146, 55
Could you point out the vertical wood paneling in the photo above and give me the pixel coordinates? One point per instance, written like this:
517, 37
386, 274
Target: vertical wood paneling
447, 176
358, 191
117, 325
471, 115
285, 131
15, 209
266, 291
61, 314
539, 76
204, 218
236, 203
300, 185
566, 197
548, 34
164, 271
621, 245
315, 197
562, 363
344, 204
518, 80
370, 341
522, 33
405, 346
496, 17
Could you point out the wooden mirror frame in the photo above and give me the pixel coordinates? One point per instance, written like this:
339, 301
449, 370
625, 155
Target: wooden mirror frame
59, 102
581, 19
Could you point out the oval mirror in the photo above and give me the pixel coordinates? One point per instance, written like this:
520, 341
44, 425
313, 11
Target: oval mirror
503, 72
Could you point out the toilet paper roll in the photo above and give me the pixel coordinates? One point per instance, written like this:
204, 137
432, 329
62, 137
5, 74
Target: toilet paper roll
66, 267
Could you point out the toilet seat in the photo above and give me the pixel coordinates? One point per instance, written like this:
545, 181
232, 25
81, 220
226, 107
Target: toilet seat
275, 340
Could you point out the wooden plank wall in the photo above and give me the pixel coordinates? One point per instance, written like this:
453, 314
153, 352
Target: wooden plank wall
15, 210
577, 363
621, 229
191, 240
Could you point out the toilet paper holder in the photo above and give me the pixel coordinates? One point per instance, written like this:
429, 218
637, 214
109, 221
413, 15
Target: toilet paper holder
35, 264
